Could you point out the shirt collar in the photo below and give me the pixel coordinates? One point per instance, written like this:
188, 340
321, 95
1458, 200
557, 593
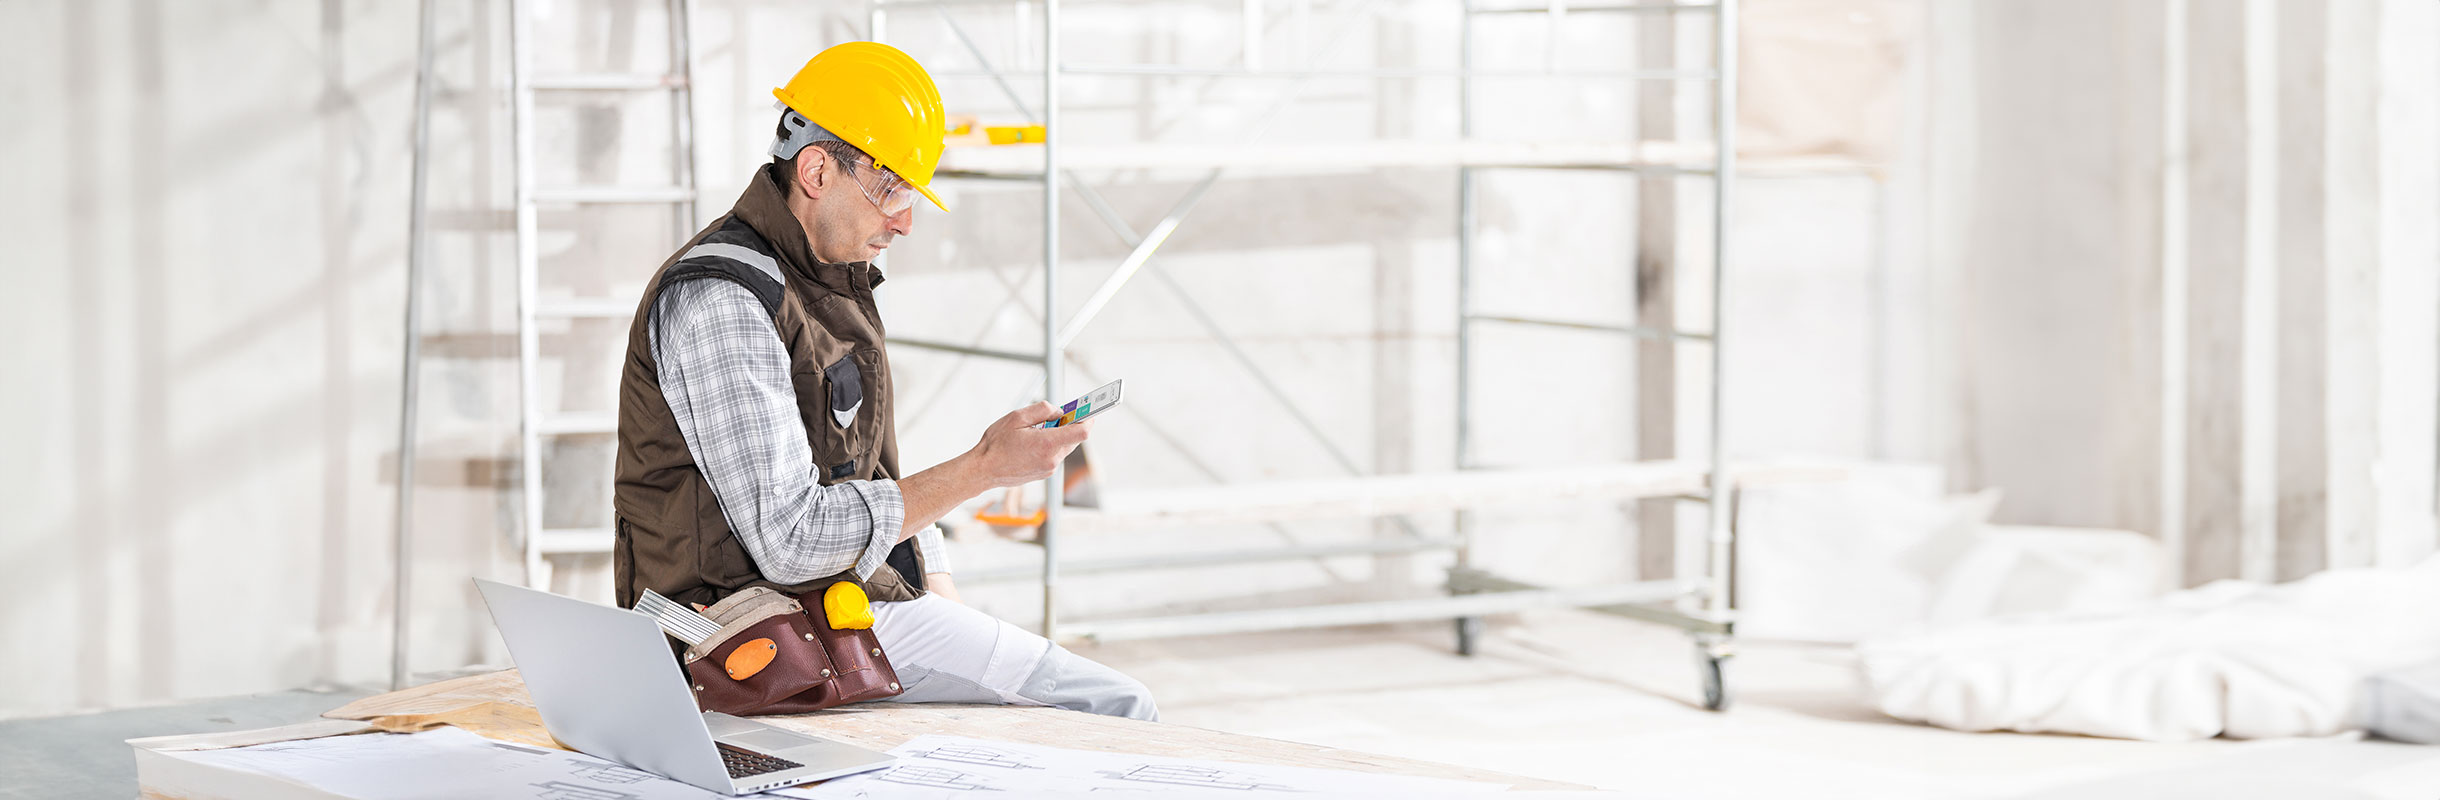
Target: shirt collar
764, 207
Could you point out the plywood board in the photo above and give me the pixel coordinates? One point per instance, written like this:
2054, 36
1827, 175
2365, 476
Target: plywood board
882, 726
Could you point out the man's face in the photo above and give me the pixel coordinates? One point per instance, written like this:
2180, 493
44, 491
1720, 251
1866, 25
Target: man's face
848, 225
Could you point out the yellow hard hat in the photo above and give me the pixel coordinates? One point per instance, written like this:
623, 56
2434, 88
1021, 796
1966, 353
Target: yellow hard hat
877, 98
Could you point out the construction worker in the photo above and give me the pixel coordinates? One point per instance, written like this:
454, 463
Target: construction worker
756, 445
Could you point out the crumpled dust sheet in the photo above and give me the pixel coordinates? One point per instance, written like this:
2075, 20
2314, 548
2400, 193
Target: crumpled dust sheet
2229, 658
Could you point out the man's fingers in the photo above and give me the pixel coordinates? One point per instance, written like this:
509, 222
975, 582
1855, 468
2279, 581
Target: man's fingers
1066, 442
1036, 414
1020, 446
1030, 414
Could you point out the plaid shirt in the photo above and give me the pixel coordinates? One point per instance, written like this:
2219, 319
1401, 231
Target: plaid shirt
725, 375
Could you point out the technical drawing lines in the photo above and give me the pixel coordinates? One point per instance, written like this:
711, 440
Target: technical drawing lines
1199, 777
563, 790
937, 778
608, 773
978, 756
938, 766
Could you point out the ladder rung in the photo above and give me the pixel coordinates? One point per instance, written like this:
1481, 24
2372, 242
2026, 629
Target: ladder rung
585, 308
574, 423
613, 194
575, 541
611, 81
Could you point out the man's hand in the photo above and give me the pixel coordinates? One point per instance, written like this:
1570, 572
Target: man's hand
1013, 452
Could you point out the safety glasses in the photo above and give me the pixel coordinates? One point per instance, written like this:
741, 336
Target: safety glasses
895, 196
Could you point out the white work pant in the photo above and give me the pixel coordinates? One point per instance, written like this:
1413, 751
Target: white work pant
946, 652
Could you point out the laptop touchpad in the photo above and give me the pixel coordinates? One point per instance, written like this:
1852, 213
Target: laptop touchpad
769, 740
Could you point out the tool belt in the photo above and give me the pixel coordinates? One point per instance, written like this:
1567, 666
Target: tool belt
782, 654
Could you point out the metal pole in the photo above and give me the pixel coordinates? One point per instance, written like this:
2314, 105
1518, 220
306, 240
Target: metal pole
1557, 11
682, 110
1172, 70
1135, 259
1724, 172
1462, 522
529, 435
1252, 33
1465, 270
1051, 355
404, 541
2175, 174
1144, 247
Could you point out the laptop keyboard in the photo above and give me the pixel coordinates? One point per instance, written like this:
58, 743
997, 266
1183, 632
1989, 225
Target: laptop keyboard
743, 762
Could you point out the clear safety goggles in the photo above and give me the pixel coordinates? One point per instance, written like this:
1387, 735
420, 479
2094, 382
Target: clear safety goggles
896, 194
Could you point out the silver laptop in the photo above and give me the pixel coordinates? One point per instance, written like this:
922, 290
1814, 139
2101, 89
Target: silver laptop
607, 686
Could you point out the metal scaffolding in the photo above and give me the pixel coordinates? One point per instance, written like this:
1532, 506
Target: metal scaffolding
1702, 606
536, 424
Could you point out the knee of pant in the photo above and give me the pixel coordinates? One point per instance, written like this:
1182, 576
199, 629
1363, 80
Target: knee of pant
1080, 684
1131, 699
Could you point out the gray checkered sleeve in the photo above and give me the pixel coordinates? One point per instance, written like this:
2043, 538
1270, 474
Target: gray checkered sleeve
935, 552
725, 375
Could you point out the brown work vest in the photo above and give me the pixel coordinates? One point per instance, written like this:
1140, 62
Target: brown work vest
672, 537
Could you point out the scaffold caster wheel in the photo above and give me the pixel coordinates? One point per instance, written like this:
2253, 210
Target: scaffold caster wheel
1469, 630
1715, 688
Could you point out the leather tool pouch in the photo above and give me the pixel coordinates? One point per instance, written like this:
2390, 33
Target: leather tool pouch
778, 654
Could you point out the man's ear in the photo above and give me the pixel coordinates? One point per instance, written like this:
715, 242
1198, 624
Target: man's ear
810, 178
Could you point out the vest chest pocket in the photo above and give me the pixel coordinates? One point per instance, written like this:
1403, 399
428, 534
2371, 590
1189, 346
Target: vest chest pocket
845, 436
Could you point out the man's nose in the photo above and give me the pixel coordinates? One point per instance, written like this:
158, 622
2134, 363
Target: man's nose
903, 223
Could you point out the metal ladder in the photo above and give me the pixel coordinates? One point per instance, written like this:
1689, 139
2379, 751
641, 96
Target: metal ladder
535, 425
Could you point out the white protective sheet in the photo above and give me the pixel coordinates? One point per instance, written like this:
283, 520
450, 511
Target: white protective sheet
2225, 659
936, 766
446, 763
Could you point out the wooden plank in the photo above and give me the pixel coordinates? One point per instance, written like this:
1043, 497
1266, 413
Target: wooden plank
433, 698
882, 726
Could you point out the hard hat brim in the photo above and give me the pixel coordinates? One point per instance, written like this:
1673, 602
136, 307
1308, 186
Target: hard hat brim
790, 102
928, 195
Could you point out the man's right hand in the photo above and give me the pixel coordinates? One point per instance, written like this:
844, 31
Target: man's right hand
1013, 452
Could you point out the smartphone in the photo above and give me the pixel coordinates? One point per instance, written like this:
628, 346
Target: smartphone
1082, 408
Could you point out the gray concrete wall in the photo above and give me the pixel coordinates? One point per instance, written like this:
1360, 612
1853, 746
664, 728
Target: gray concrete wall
2188, 239
2054, 255
204, 215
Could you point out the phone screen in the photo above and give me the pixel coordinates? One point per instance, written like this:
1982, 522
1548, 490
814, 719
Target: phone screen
1092, 403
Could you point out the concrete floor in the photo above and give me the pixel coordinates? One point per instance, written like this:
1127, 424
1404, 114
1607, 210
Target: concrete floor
86, 756
1564, 695
1608, 702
